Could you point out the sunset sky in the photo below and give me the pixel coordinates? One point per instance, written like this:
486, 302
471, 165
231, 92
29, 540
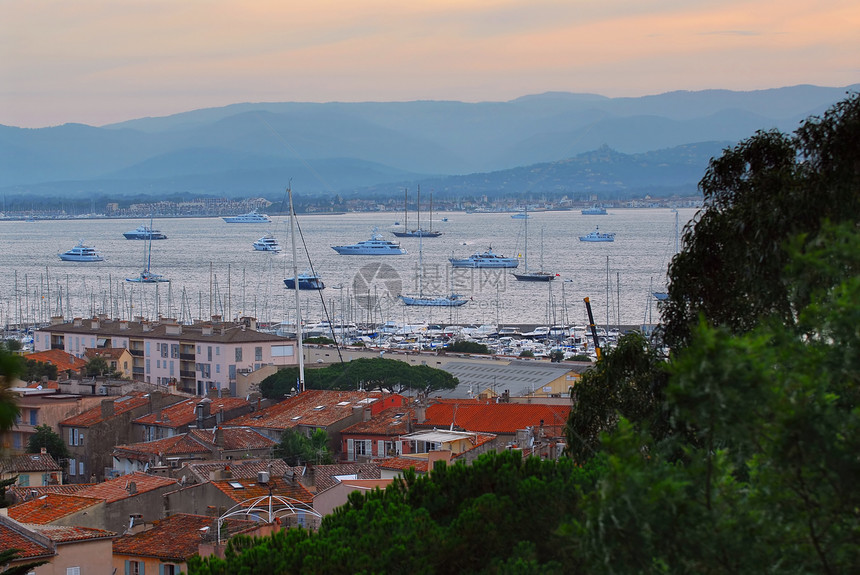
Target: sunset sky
98, 62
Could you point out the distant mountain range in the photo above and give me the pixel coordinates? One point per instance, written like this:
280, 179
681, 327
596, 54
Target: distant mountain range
558, 143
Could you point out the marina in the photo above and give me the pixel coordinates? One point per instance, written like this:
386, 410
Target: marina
213, 271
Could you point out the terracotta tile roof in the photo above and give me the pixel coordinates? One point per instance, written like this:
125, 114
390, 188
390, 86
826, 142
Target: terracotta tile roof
496, 417
183, 413
181, 444
174, 538
390, 422
105, 352
240, 469
64, 361
314, 407
240, 490
118, 488
121, 405
235, 438
404, 463
25, 493
51, 507
28, 462
13, 538
63, 534
325, 476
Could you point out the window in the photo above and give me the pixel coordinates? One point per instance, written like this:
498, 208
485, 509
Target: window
76, 437
167, 569
208, 353
73, 571
238, 354
81, 468
174, 350
23, 480
164, 350
73, 467
361, 447
33, 415
258, 354
134, 567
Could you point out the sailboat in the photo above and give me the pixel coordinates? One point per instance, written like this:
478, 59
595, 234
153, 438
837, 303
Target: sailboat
452, 300
147, 276
527, 276
418, 232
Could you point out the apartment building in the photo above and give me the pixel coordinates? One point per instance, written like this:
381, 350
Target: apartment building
194, 358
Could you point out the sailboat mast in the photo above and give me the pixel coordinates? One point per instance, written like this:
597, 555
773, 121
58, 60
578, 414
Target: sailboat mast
526, 247
418, 210
301, 386
406, 209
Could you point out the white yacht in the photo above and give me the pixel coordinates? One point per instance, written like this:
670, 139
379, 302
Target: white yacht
375, 246
81, 253
597, 236
144, 232
487, 259
252, 217
268, 243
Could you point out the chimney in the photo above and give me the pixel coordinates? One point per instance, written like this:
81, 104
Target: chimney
216, 319
107, 408
56, 320
123, 324
94, 323
171, 327
206, 329
77, 322
219, 437
202, 410
145, 326
43, 451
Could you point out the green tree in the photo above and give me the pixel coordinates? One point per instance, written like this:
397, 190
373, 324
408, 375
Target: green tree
50, 440
296, 448
36, 370
9, 555
628, 382
761, 193
527, 353
464, 346
10, 368
364, 373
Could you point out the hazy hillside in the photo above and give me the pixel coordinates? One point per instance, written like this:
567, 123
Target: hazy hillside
253, 149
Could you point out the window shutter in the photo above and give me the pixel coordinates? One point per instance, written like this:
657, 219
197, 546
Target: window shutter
142, 567
161, 569
126, 567
380, 448
350, 449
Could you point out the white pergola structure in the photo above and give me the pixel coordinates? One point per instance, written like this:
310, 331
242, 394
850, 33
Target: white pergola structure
267, 508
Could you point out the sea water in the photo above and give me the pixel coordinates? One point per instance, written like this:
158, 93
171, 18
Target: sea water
214, 270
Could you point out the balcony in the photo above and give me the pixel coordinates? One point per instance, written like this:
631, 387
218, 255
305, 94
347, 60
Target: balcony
136, 352
189, 374
187, 356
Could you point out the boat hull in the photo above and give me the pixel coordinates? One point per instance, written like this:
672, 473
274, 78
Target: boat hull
417, 234
73, 258
498, 263
305, 283
534, 277
156, 235
444, 301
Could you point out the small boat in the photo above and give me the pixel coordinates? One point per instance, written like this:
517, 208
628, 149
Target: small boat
307, 281
252, 217
148, 277
520, 216
533, 276
81, 253
453, 300
594, 211
144, 232
487, 259
375, 246
267, 243
597, 236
